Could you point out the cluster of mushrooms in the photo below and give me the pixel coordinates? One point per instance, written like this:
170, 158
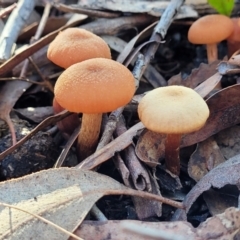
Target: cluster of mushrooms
93, 84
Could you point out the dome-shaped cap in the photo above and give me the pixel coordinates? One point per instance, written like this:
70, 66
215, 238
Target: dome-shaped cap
75, 45
96, 85
173, 110
210, 29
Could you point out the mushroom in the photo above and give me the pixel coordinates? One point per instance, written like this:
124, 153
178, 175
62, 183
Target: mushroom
75, 45
68, 124
93, 87
210, 30
173, 110
233, 41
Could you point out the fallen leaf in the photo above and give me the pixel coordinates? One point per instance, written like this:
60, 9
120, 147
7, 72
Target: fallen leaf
63, 196
219, 200
197, 76
228, 141
206, 157
223, 226
218, 177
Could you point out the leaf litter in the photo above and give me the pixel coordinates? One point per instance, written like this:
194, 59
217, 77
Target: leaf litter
58, 194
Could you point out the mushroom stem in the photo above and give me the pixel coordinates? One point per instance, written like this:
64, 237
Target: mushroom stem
172, 153
88, 136
212, 52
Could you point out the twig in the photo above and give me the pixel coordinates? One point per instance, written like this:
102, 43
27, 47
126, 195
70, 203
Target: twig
13, 27
138, 173
45, 123
42, 219
7, 10
150, 233
65, 150
160, 30
38, 34
73, 8
109, 150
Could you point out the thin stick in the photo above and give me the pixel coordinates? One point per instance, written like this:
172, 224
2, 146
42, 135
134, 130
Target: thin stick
38, 34
14, 25
7, 10
43, 220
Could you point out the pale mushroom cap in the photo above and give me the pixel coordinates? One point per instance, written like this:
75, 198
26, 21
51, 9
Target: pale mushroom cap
210, 29
173, 110
96, 85
75, 45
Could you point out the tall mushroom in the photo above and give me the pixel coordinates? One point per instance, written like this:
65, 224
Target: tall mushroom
173, 110
75, 45
210, 30
93, 87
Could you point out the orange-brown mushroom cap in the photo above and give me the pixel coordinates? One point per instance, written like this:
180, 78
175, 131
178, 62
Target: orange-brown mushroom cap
74, 45
96, 85
210, 29
173, 110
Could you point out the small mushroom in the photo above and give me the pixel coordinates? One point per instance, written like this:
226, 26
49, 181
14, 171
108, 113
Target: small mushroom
93, 87
75, 45
173, 110
210, 30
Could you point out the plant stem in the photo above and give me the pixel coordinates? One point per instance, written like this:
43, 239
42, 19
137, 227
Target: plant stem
212, 52
88, 136
172, 153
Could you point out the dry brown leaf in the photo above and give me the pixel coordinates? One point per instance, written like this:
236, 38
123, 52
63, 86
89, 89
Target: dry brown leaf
228, 141
63, 196
53, 23
218, 177
224, 226
206, 157
197, 76
113, 228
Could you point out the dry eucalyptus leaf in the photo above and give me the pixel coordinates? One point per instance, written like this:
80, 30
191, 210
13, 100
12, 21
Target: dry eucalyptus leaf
35, 115
150, 147
102, 230
206, 157
224, 109
224, 226
228, 141
197, 76
63, 196
218, 177
219, 200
